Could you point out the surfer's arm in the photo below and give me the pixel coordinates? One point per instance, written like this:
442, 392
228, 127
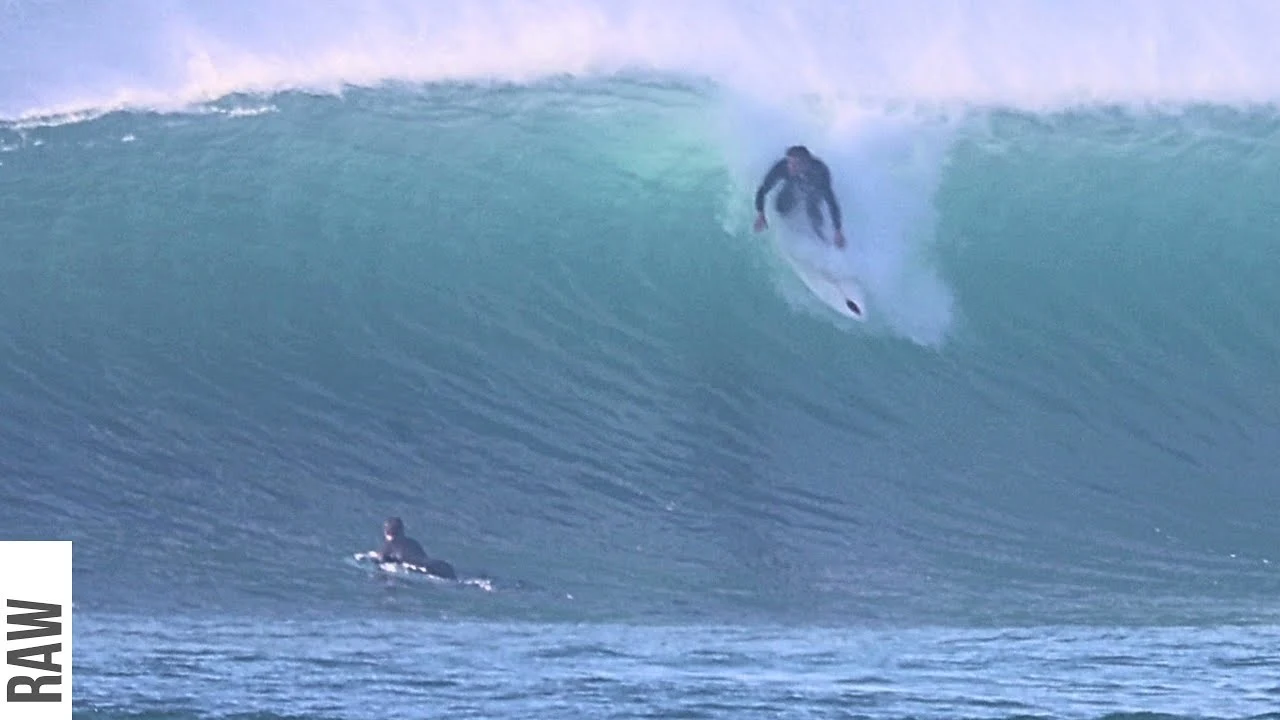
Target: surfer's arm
776, 173
387, 553
829, 195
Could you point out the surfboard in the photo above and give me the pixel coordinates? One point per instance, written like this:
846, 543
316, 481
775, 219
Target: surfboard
841, 294
370, 560
805, 252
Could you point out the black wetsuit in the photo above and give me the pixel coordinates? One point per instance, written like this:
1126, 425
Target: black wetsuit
407, 550
814, 183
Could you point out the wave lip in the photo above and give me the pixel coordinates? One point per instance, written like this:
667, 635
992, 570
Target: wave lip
62, 58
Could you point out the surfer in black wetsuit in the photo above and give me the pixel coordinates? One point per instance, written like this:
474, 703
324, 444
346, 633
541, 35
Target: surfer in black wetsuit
800, 172
403, 549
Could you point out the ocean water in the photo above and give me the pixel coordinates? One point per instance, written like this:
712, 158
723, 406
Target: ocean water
275, 271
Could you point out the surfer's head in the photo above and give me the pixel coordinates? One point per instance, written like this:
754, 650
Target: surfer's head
798, 158
393, 528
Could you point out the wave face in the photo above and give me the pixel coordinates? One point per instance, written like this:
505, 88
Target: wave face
268, 282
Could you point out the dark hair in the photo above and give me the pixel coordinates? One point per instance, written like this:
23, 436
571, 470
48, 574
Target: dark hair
393, 526
799, 151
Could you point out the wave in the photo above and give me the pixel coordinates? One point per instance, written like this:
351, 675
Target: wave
532, 319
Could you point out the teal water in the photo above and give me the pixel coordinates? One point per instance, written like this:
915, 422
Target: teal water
514, 297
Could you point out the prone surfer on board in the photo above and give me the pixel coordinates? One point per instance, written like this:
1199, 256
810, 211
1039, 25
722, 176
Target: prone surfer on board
801, 173
403, 549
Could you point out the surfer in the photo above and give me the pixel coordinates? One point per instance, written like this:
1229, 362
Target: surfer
403, 549
801, 172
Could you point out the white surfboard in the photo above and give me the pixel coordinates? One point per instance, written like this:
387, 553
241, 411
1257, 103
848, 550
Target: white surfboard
370, 560
805, 253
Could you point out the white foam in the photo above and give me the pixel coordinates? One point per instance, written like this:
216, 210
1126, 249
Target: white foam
62, 57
